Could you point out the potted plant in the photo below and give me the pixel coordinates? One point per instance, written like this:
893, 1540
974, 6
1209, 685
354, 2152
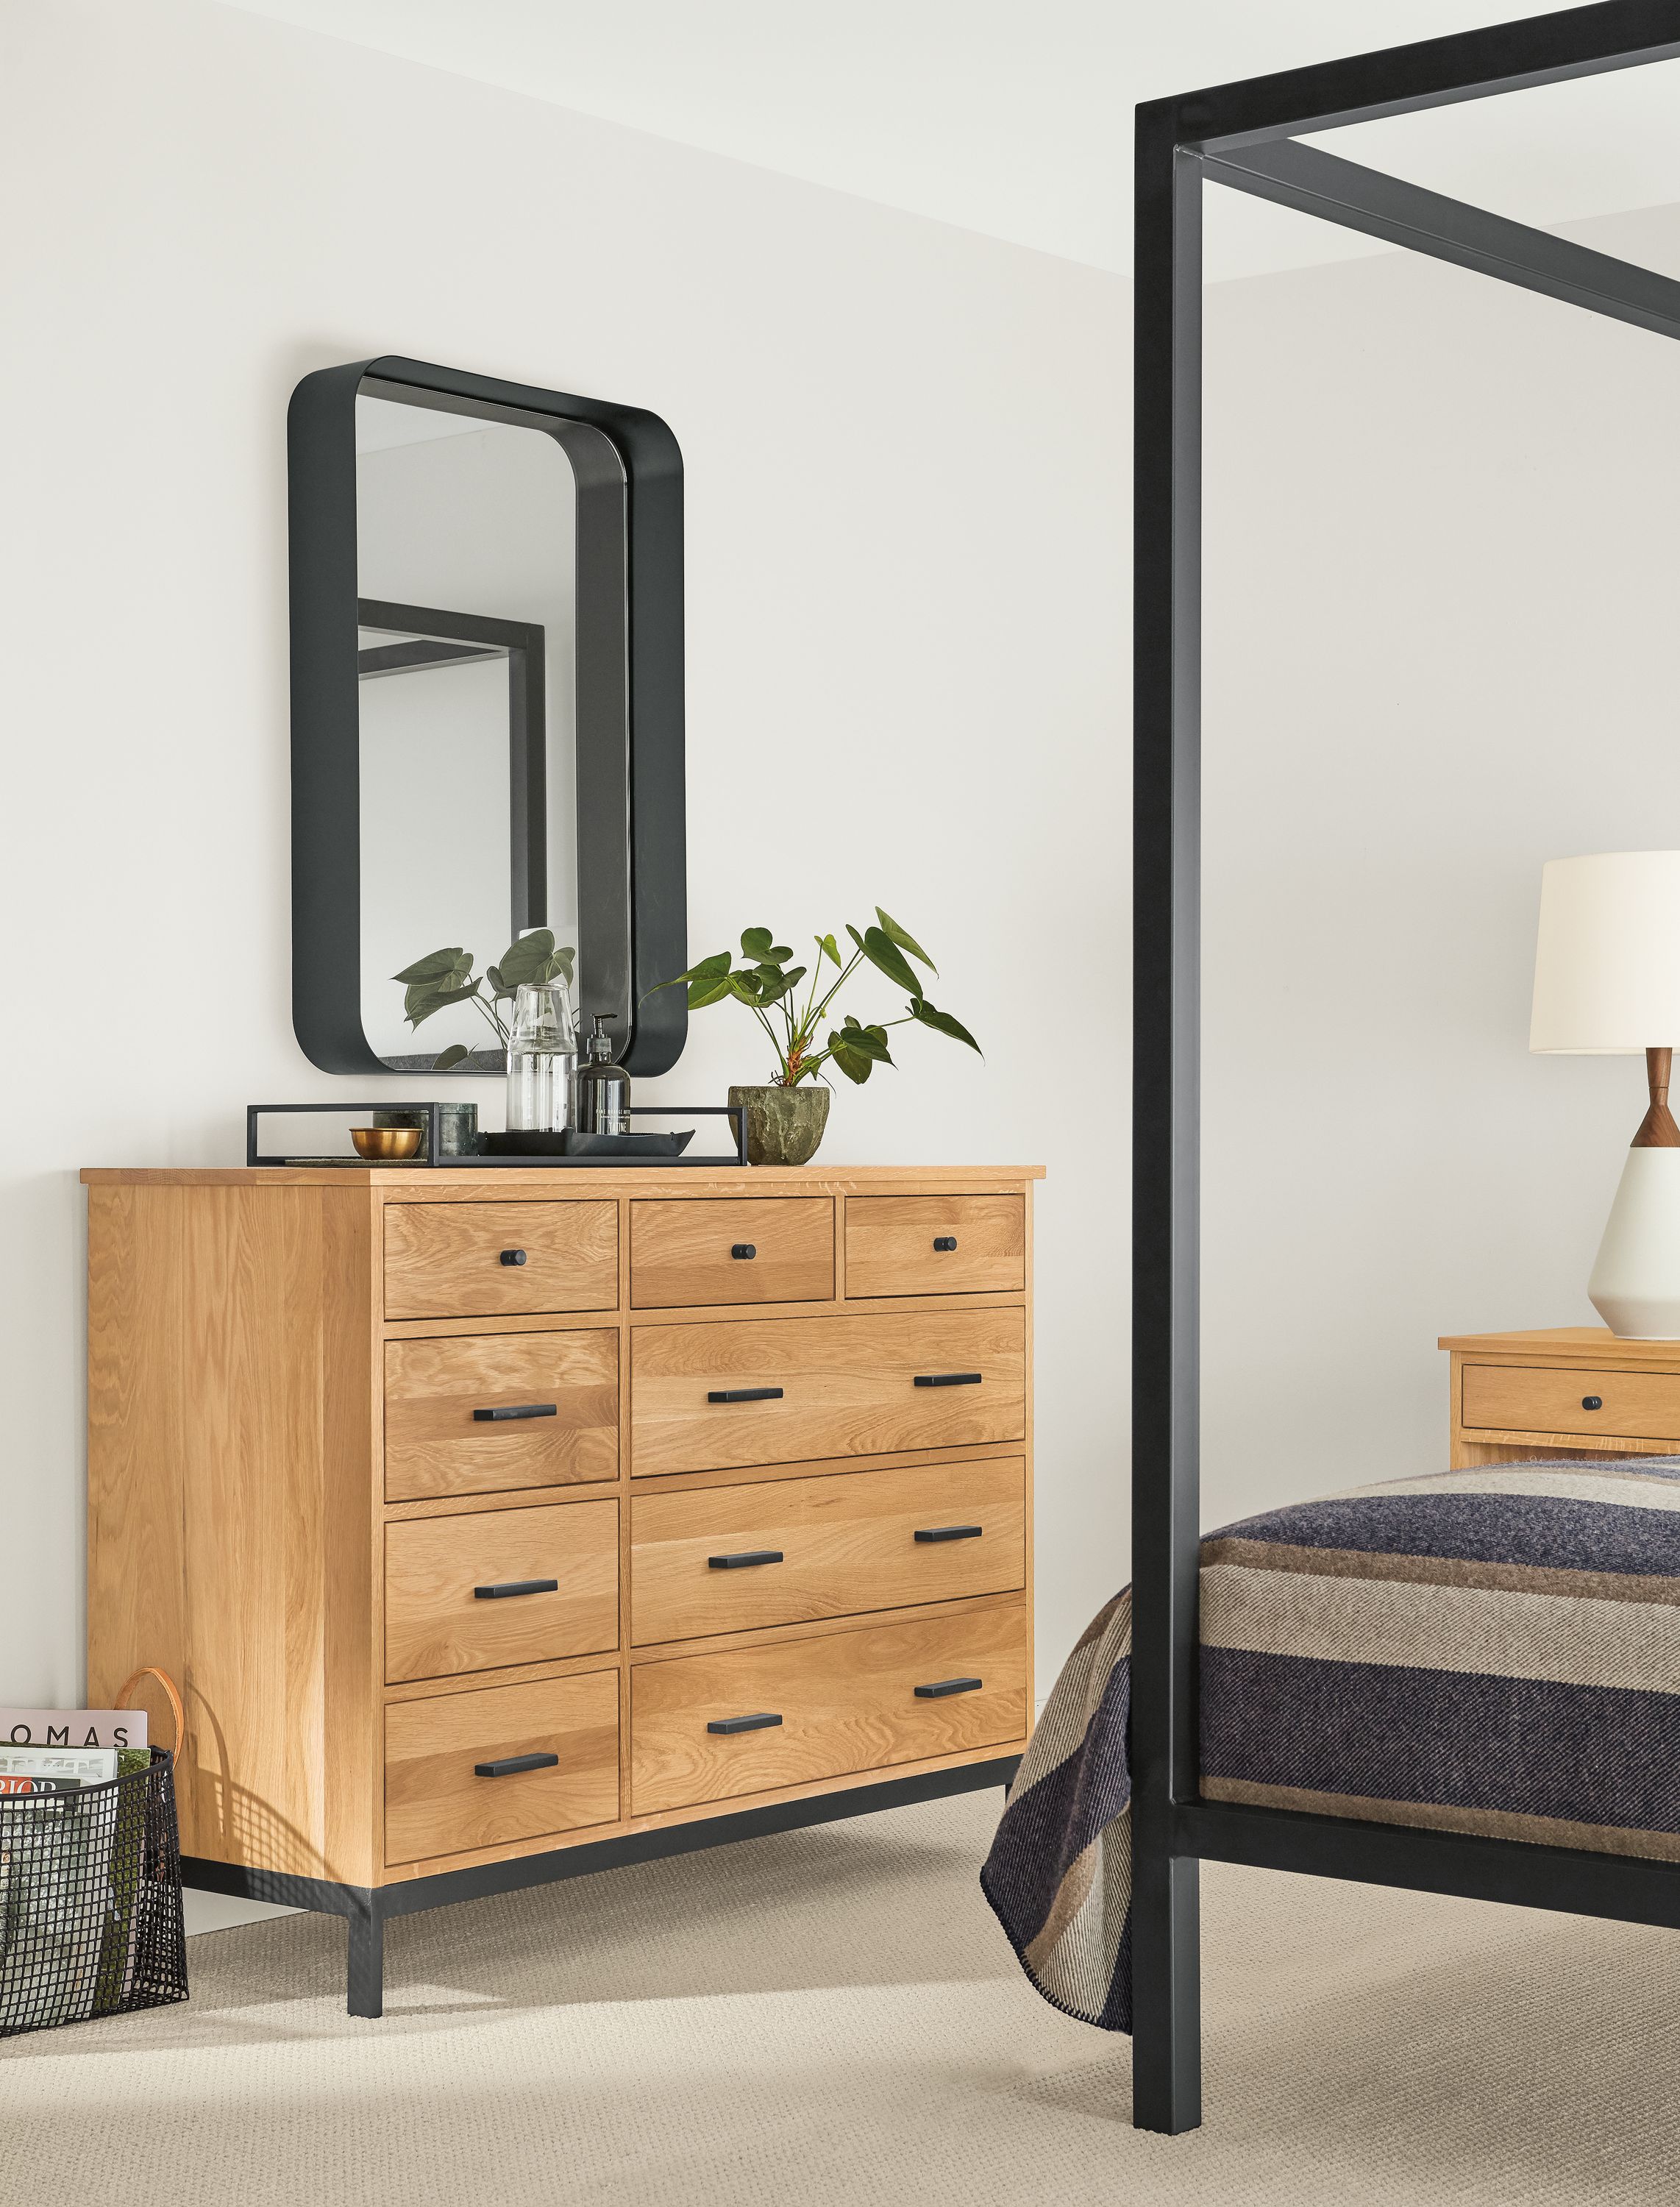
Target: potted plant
785, 1117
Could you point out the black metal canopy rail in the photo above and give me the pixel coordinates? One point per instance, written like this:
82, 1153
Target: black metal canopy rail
1242, 135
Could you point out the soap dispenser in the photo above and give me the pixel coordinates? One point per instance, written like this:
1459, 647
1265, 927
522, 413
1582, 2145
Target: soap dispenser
602, 1088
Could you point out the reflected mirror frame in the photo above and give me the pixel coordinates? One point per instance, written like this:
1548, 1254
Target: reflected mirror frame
631, 832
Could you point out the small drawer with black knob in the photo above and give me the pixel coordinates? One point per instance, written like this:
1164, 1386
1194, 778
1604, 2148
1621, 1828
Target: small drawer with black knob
489, 1413
498, 1587
497, 1764
738, 1392
716, 1559
1572, 1400
499, 1259
792, 1712
728, 1250
934, 1245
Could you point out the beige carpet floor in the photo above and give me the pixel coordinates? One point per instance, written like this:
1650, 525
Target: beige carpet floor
831, 2019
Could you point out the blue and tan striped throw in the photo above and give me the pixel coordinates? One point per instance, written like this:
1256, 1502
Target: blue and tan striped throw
1494, 1651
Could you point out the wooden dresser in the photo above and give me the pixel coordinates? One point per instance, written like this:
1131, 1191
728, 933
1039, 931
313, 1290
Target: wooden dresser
499, 1525
1561, 1392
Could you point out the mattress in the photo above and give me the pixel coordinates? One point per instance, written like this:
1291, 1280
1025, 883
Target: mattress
1494, 1651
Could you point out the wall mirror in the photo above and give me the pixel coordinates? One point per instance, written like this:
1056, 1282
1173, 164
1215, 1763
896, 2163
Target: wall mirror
487, 709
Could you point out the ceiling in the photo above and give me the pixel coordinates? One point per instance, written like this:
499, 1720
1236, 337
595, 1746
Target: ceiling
1014, 119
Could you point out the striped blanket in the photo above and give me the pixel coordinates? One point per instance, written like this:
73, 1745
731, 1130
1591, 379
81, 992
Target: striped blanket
1494, 1651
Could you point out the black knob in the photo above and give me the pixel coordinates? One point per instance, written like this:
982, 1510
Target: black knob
1591, 1402
944, 1240
743, 1249
513, 1256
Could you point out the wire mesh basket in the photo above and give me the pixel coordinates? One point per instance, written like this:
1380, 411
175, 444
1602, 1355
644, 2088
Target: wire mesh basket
90, 1896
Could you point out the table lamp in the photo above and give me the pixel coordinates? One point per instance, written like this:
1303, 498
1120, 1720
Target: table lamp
1607, 983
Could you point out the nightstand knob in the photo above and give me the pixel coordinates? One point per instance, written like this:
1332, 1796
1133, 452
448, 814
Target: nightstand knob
513, 1256
1591, 1402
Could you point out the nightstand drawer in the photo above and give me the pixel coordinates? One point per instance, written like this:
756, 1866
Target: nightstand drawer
487, 1413
1630, 1405
499, 1587
847, 1702
438, 1801
934, 1245
787, 1551
499, 1259
784, 1390
780, 1250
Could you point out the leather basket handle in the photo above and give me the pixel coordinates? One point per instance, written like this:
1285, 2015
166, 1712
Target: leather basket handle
151, 1671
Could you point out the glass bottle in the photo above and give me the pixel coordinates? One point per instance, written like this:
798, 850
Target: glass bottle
602, 1088
541, 1058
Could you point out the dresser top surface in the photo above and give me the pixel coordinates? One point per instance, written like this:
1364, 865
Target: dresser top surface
497, 1183
1575, 1344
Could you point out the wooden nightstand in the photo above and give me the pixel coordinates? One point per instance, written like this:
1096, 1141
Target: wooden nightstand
1559, 1392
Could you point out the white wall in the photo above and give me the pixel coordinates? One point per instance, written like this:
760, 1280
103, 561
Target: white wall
907, 502
1442, 570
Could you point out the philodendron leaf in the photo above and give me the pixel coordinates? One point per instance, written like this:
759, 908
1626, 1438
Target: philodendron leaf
746, 984
942, 1023
453, 1056
871, 1041
856, 1064
828, 947
890, 928
777, 984
707, 988
881, 950
756, 942
434, 968
527, 958
492, 974
425, 998
563, 963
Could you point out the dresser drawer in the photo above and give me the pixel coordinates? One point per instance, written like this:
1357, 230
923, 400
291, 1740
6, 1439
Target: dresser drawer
847, 1702
436, 1802
781, 1250
829, 1546
436, 1623
499, 1259
846, 1385
557, 1397
1633, 1405
934, 1245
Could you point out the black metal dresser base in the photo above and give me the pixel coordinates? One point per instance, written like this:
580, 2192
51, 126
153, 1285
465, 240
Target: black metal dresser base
365, 1908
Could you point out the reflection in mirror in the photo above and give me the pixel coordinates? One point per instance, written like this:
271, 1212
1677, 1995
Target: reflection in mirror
466, 660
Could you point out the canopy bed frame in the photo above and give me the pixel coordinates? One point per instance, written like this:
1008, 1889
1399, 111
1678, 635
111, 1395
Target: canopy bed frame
1246, 136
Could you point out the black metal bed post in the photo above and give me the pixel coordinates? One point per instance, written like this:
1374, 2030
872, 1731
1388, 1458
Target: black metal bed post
1166, 2046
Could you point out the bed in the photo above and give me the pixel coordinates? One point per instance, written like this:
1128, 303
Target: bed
1494, 1651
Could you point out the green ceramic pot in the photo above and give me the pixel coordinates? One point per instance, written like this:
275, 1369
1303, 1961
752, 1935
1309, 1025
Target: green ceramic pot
783, 1125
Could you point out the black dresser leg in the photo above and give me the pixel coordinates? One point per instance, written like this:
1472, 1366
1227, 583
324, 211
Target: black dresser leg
365, 1979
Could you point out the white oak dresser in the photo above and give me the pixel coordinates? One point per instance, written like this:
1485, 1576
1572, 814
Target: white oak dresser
502, 1524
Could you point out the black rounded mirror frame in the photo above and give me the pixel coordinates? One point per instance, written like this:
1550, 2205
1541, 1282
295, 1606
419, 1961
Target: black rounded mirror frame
632, 851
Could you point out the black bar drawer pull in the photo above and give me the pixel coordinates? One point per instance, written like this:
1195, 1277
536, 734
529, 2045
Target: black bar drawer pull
743, 1249
744, 1395
944, 1240
744, 1558
1591, 1402
950, 1532
513, 1256
761, 1722
515, 1586
516, 1411
511, 1765
947, 1378
940, 1687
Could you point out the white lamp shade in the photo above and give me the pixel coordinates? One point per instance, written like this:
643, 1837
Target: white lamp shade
1607, 965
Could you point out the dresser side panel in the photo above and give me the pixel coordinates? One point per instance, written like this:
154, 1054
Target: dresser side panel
241, 1439
136, 1593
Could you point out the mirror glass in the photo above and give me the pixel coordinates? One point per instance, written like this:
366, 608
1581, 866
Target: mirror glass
466, 552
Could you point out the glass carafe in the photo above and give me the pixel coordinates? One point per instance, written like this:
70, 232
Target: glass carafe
541, 1058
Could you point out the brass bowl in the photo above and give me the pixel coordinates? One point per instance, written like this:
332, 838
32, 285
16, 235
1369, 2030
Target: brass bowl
381, 1143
